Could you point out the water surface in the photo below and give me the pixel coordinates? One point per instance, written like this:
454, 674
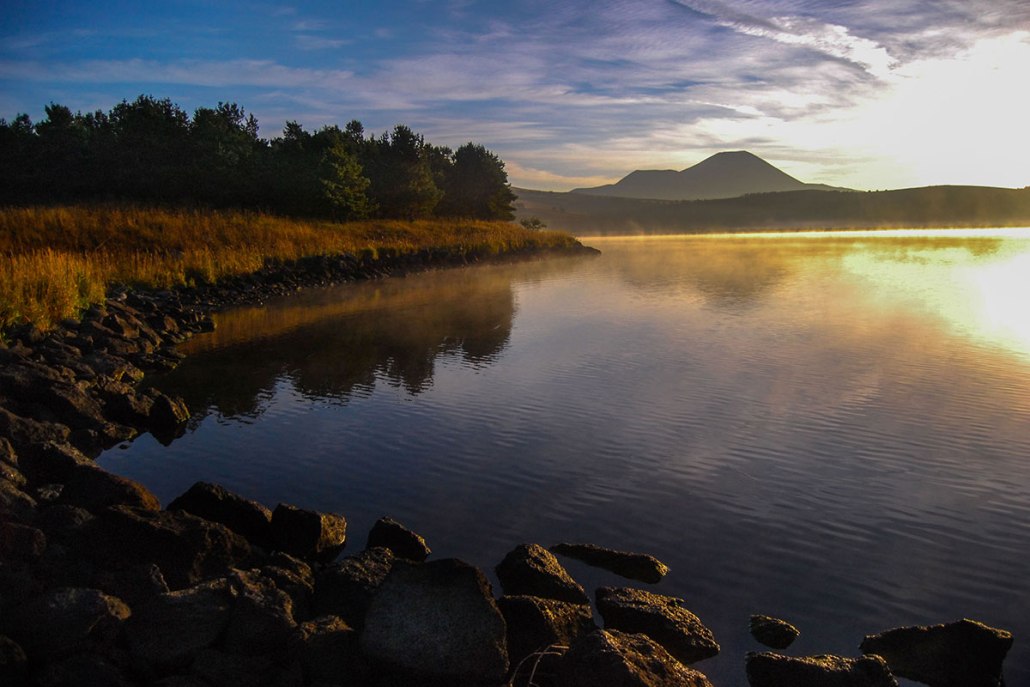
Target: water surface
832, 428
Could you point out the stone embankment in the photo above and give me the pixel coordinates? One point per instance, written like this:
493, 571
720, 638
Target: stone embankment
101, 586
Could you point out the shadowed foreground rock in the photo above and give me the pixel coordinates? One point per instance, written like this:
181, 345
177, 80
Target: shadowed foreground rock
535, 624
773, 632
662, 618
532, 570
404, 543
966, 653
247, 518
437, 619
773, 670
346, 588
308, 534
634, 566
616, 659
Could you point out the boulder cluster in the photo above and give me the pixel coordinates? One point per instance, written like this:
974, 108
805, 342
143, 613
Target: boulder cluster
100, 585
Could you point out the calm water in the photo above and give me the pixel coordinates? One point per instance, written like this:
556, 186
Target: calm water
832, 428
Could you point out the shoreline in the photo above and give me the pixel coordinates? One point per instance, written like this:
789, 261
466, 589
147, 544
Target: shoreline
101, 583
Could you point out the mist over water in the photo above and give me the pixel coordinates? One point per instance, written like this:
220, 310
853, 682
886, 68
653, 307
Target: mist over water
833, 428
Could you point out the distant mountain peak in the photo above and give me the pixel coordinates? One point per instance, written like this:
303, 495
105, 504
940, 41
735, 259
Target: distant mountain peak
724, 175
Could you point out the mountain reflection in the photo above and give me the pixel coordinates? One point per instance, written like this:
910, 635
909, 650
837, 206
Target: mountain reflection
333, 343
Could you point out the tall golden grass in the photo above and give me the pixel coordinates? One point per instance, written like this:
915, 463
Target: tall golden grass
56, 261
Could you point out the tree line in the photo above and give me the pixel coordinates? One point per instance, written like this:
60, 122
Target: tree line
150, 150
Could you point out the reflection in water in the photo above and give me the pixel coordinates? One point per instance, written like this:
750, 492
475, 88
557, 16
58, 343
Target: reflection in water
830, 428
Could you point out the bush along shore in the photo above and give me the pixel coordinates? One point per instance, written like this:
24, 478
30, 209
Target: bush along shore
100, 585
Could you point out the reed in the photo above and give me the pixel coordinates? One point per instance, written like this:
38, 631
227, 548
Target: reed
56, 261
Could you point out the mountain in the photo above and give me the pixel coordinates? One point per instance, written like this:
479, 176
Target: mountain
723, 175
583, 214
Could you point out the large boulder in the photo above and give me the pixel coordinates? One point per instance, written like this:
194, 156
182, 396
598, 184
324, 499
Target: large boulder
532, 570
25, 434
634, 566
773, 632
615, 659
966, 653
262, 619
66, 620
186, 548
773, 670
247, 518
329, 652
535, 624
20, 542
168, 630
15, 504
346, 588
664, 619
93, 488
308, 534
390, 534
437, 619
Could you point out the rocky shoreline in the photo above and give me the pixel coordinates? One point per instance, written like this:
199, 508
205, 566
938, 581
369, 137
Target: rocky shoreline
100, 585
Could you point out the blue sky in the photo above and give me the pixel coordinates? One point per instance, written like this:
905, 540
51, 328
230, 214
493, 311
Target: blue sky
872, 94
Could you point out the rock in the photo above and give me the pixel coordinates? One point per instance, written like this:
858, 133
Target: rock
246, 518
308, 534
346, 588
634, 566
534, 623
168, 630
62, 522
66, 620
82, 670
329, 652
14, 665
404, 543
773, 632
15, 503
295, 578
262, 619
167, 417
94, 488
20, 542
965, 652
437, 619
26, 434
662, 618
186, 548
616, 659
220, 668
134, 584
773, 670
123, 404
532, 570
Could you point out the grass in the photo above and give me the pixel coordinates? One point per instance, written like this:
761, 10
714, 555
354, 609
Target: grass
56, 261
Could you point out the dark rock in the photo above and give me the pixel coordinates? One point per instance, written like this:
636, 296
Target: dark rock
615, 659
94, 488
14, 665
532, 570
635, 566
773, 632
966, 653
62, 522
773, 670
262, 619
437, 619
346, 588
123, 404
298, 586
220, 668
134, 584
186, 548
26, 434
15, 503
664, 619
534, 623
168, 630
20, 542
308, 534
82, 670
246, 518
167, 415
404, 543
112, 366
66, 620
329, 652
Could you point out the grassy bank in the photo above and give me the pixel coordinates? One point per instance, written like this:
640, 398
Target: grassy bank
55, 261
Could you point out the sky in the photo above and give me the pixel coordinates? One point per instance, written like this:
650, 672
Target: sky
871, 94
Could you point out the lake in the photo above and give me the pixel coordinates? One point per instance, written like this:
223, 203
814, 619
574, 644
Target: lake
833, 428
